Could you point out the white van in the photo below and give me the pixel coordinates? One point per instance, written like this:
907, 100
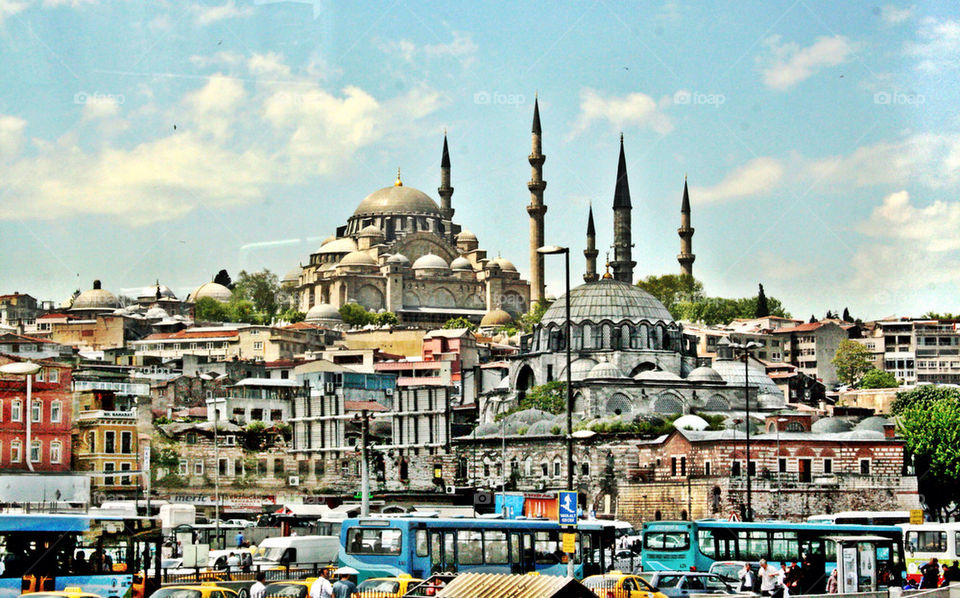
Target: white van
297, 551
174, 515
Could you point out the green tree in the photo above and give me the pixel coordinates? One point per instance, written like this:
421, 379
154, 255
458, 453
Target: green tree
763, 309
710, 310
922, 397
354, 314
550, 397
242, 310
224, 279
852, 361
208, 309
930, 428
386, 318
671, 289
459, 322
878, 379
262, 288
846, 315
932, 315
527, 321
292, 315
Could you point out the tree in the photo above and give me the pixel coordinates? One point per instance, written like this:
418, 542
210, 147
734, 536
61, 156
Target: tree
386, 318
292, 315
550, 397
763, 310
223, 278
846, 315
208, 309
932, 315
813, 319
930, 428
671, 289
876, 378
527, 321
459, 322
354, 314
923, 397
262, 288
830, 315
852, 361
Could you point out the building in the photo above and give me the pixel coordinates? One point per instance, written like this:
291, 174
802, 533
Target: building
31, 347
264, 400
811, 347
106, 438
18, 311
234, 341
403, 253
916, 350
448, 358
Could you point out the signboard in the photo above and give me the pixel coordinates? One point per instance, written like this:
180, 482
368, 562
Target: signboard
569, 543
916, 516
482, 499
567, 508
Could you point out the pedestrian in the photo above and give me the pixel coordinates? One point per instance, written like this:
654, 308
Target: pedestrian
952, 573
746, 578
239, 539
782, 580
321, 588
258, 589
233, 561
930, 575
832, 585
344, 588
768, 578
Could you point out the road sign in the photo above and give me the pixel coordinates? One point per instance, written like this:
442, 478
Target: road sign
916, 516
567, 508
569, 543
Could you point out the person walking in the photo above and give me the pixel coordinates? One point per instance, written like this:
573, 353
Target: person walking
344, 588
259, 589
239, 539
768, 578
321, 588
930, 575
746, 578
832, 585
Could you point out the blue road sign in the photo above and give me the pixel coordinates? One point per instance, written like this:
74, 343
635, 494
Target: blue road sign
567, 509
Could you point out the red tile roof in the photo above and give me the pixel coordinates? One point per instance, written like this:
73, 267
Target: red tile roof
28, 339
361, 405
57, 315
808, 327
189, 334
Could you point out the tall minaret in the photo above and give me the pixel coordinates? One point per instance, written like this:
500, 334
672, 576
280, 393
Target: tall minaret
591, 251
536, 209
622, 239
685, 231
445, 190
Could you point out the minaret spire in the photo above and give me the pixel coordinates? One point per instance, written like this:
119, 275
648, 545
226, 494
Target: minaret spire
445, 190
536, 209
685, 231
591, 251
623, 263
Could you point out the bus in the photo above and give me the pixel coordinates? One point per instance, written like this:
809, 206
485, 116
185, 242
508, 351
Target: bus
863, 517
930, 540
420, 546
686, 545
111, 556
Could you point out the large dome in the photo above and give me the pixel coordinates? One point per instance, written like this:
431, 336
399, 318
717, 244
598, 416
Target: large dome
608, 299
397, 199
322, 311
732, 372
213, 290
95, 298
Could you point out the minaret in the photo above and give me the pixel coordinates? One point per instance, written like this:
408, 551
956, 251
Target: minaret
536, 209
685, 231
622, 241
445, 190
591, 251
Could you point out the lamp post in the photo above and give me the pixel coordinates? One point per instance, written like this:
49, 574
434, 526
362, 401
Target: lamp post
780, 473
27, 369
744, 349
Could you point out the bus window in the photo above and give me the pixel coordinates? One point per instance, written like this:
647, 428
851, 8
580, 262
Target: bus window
435, 548
471, 547
547, 546
784, 547
422, 549
705, 541
495, 548
933, 541
373, 541
666, 540
753, 545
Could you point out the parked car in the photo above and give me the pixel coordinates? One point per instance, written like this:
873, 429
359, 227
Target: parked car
206, 590
729, 570
617, 584
677, 584
240, 523
386, 587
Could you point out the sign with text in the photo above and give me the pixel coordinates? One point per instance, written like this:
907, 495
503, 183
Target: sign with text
916, 516
569, 543
567, 508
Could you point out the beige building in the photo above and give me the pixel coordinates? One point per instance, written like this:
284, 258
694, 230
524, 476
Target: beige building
219, 343
812, 347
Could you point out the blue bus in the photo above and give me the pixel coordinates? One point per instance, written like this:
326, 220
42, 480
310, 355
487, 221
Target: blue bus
387, 547
685, 545
114, 557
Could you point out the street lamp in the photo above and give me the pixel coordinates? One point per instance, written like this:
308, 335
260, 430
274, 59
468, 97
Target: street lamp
27, 369
554, 250
744, 350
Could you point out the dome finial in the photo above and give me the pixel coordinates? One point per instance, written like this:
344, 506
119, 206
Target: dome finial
399, 183
607, 273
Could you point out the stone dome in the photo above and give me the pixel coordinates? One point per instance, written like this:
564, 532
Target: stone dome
358, 258
873, 423
466, 235
344, 245
495, 317
732, 372
704, 374
156, 313
605, 369
292, 275
528, 416
397, 199
657, 376
370, 231
461, 263
398, 258
328, 239
430, 261
151, 291
543, 427
212, 290
831, 425
505, 264
691, 422
96, 298
486, 430
607, 299
322, 311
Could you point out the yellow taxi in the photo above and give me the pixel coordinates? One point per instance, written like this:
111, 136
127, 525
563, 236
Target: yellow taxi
387, 587
295, 588
617, 584
204, 590
68, 592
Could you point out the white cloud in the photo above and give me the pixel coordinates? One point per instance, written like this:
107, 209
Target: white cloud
939, 45
759, 175
100, 107
269, 65
461, 47
894, 15
219, 58
211, 14
70, 3
787, 64
11, 135
634, 109
776, 267
932, 228
10, 7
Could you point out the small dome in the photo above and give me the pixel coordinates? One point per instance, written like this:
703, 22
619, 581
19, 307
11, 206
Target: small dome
398, 258
495, 317
486, 430
704, 374
657, 375
732, 372
505, 264
151, 291
328, 239
370, 231
344, 245
690, 422
430, 261
157, 313
771, 401
831, 425
873, 423
466, 235
322, 311
96, 298
511, 428
358, 258
212, 290
292, 275
461, 263
528, 416
605, 369
543, 427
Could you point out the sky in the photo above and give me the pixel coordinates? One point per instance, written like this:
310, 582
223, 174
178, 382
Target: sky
165, 140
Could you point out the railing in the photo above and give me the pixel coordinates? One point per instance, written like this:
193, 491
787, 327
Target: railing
246, 573
131, 388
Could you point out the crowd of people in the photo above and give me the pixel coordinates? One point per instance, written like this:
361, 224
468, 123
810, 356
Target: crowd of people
791, 578
934, 575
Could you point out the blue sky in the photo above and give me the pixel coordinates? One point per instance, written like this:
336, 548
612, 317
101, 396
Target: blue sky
822, 144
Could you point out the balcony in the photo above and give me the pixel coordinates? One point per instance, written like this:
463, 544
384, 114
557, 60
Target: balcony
123, 388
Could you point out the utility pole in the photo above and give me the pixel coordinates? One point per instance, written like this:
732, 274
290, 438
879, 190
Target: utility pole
216, 471
364, 471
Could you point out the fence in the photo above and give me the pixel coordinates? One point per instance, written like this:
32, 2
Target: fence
247, 573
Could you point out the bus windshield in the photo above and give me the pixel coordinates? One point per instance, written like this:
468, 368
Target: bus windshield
656, 540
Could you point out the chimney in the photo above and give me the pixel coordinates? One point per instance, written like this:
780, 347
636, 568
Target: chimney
889, 431
96, 284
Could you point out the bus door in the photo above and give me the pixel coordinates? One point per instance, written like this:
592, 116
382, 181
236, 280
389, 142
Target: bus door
522, 552
443, 551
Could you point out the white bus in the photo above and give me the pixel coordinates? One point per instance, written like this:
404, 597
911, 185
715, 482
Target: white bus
929, 540
863, 518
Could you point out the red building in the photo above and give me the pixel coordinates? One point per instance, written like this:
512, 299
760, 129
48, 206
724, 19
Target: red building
50, 419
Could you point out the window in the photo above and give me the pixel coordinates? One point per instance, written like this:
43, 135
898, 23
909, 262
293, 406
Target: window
258, 346
55, 451
108, 467
547, 548
55, 407
495, 548
666, 540
544, 469
470, 543
585, 469
198, 468
109, 441
36, 451
36, 411
683, 466
932, 541
184, 467
126, 442
53, 375
223, 466
125, 480
752, 468
422, 546
864, 466
828, 465
781, 465
15, 451
1, 410
556, 467
318, 467
262, 467
383, 541
735, 468
673, 466
278, 467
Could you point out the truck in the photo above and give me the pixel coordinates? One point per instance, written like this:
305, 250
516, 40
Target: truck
297, 551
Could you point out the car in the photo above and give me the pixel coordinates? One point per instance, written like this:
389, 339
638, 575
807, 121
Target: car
299, 588
676, 584
617, 584
387, 587
240, 523
730, 570
68, 592
204, 590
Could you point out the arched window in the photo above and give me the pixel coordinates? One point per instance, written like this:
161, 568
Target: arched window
657, 516
653, 338
607, 334
636, 340
596, 341
544, 469
528, 466
588, 335
624, 336
577, 332
585, 469
665, 344
56, 451
615, 338
557, 467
